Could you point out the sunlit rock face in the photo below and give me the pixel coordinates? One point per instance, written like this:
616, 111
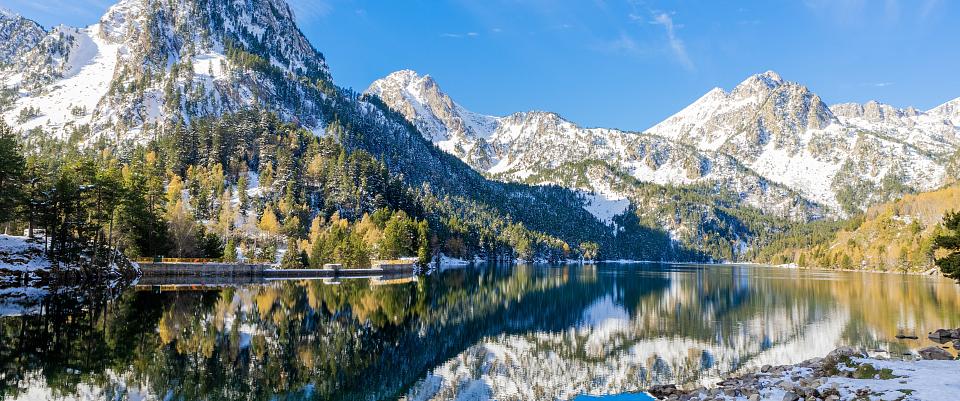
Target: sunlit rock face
540, 147
149, 63
764, 133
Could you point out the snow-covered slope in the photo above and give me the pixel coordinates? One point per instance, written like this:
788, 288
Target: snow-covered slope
153, 62
831, 155
767, 140
17, 35
949, 110
543, 148
451, 127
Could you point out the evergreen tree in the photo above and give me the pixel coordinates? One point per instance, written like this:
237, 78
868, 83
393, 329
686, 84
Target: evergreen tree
230, 250
11, 172
423, 250
242, 185
948, 242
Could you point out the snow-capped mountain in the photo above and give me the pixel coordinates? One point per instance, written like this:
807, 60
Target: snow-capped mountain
152, 62
840, 156
543, 148
452, 128
767, 139
17, 35
149, 69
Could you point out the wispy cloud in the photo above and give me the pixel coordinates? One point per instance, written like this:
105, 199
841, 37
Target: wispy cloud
459, 35
623, 44
877, 84
676, 44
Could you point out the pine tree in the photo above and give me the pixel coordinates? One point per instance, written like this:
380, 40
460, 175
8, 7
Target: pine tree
423, 235
949, 242
230, 250
242, 185
11, 172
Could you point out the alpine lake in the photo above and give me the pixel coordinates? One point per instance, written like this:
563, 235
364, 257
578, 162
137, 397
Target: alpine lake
582, 332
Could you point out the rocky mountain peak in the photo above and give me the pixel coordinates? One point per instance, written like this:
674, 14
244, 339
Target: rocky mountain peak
760, 83
17, 35
770, 78
154, 61
405, 77
949, 110
5, 13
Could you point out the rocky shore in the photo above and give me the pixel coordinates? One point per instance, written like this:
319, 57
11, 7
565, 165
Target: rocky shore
844, 374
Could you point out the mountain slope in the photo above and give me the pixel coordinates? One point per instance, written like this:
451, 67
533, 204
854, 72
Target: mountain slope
768, 139
153, 62
788, 133
536, 147
17, 35
892, 236
150, 68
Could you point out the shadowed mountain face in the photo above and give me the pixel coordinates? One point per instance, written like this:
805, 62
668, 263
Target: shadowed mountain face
553, 331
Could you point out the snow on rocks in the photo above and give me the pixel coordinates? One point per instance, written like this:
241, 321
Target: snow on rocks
845, 374
447, 262
21, 257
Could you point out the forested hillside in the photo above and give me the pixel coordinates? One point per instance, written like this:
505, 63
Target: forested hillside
248, 186
229, 99
893, 236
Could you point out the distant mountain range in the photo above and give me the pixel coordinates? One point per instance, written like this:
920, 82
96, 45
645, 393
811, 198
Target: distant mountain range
774, 142
714, 178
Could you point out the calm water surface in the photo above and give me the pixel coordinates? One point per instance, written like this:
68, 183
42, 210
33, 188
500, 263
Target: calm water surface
506, 333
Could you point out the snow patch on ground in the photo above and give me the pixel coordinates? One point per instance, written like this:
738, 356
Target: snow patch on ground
928, 380
21, 255
210, 65
447, 262
605, 204
801, 171
91, 66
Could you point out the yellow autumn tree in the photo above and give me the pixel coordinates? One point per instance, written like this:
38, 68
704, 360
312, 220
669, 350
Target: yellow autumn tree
269, 222
174, 190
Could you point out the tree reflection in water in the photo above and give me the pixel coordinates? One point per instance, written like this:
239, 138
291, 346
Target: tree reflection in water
503, 332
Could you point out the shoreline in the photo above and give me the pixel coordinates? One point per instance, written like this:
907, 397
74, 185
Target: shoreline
843, 374
932, 272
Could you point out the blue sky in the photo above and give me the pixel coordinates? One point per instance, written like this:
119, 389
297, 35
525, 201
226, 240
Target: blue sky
623, 63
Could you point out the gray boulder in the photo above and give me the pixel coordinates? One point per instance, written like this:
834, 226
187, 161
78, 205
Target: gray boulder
849, 352
944, 334
935, 353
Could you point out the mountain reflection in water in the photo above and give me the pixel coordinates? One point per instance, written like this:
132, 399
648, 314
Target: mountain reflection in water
498, 332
